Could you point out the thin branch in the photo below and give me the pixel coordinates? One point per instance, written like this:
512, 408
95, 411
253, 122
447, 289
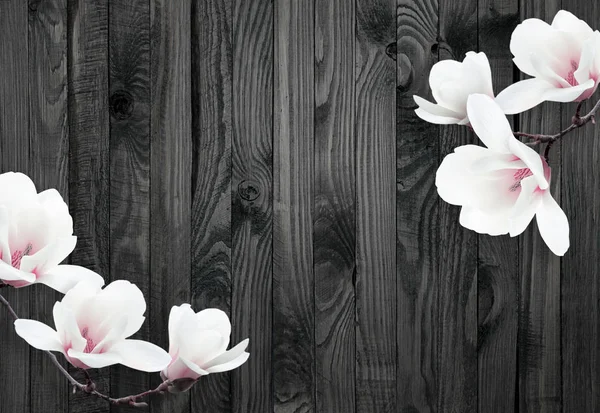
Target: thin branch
90, 387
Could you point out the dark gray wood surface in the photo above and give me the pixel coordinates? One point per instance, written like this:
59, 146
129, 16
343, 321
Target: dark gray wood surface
263, 157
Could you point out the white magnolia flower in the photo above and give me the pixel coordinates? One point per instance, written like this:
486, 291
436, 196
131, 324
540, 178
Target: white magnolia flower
93, 326
501, 187
36, 234
451, 84
563, 58
198, 344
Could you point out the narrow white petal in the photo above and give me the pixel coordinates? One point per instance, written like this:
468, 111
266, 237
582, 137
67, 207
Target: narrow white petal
433, 113
489, 122
175, 319
523, 95
479, 66
94, 361
64, 277
38, 335
230, 365
10, 273
226, 357
525, 207
553, 225
141, 355
67, 328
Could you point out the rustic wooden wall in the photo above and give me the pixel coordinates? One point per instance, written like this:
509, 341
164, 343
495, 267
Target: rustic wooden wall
263, 157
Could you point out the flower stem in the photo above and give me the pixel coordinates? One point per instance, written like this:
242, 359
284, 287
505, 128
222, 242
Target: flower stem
90, 387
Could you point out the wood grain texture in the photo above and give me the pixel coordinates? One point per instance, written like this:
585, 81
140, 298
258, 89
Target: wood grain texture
293, 156
375, 208
416, 211
252, 201
539, 341
334, 215
497, 278
170, 173
457, 283
49, 146
14, 156
129, 105
89, 178
580, 289
211, 180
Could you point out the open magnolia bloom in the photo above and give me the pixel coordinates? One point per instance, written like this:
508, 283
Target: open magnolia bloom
501, 187
563, 58
93, 326
451, 84
198, 344
36, 235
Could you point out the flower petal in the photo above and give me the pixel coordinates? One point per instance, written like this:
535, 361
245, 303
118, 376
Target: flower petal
141, 355
183, 368
38, 335
226, 357
489, 122
433, 113
50, 256
64, 277
123, 297
94, 361
568, 22
532, 159
525, 207
553, 225
177, 314
16, 187
9, 273
484, 223
230, 365
67, 328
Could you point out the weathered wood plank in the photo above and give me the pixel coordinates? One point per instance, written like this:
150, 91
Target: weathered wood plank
416, 211
580, 295
129, 103
212, 67
376, 216
89, 185
497, 276
293, 156
457, 282
49, 145
170, 173
252, 201
14, 156
334, 218
539, 346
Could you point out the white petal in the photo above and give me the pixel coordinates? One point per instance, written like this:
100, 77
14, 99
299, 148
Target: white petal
496, 162
230, 365
16, 187
433, 113
123, 297
523, 95
67, 328
525, 207
38, 335
201, 346
532, 159
64, 277
57, 212
226, 357
566, 21
553, 225
529, 37
565, 95
50, 256
184, 368
489, 122
141, 355
214, 319
484, 223
175, 319
81, 296
94, 361
478, 66
10, 273
444, 74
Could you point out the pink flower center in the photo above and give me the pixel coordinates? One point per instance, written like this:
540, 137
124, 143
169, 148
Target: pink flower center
518, 176
17, 256
90, 343
571, 75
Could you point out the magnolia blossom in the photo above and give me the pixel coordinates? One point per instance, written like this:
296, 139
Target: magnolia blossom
563, 58
451, 84
93, 326
501, 187
198, 343
36, 235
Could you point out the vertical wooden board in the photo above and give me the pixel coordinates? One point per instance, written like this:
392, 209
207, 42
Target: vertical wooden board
376, 216
293, 151
416, 210
334, 215
89, 184
580, 289
129, 104
170, 173
252, 201
49, 146
539, 346
211, 181
14, 156
457, 285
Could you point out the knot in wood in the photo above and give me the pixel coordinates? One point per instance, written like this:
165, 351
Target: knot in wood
121, 104
249, 190
392, 50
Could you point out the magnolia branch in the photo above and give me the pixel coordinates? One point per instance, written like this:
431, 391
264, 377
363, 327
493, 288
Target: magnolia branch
90, 386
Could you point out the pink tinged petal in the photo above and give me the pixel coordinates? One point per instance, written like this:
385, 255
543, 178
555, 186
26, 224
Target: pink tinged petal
141, 355
4, 230
568, 22
553, 225
38, 335
81, 297
111, 331
94, 361
496, 162
64, 277
437, 114
525, 207
226, 358
67, 328
14, 277
183, 368
532, 159
489, 122
49, 257
484, 223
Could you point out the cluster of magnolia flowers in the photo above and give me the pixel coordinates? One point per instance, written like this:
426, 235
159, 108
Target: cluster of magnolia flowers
502, 186
93, 324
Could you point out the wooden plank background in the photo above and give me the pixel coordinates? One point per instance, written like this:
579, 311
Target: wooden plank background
263, 157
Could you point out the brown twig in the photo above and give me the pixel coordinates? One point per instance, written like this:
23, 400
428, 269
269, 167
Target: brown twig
90, 386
